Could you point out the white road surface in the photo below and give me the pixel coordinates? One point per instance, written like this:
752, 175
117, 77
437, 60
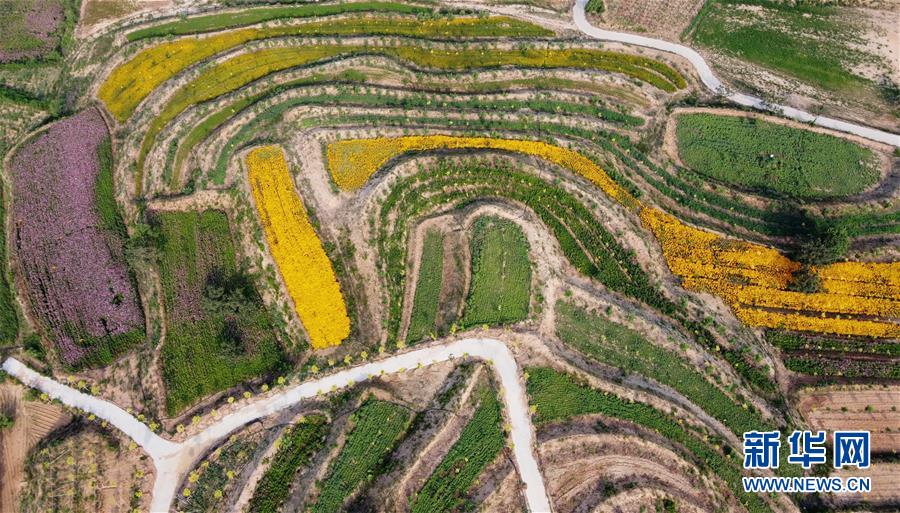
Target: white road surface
174, 460
715, 85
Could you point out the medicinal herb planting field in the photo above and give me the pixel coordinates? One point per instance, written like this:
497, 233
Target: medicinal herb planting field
67, 243
385, 174
501, 274
219, 334
777, 159
297, 250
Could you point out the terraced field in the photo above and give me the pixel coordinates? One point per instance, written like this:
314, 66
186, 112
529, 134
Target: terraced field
236, 200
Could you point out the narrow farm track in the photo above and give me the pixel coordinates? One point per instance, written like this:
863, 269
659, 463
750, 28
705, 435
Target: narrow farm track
715, 85
174, 460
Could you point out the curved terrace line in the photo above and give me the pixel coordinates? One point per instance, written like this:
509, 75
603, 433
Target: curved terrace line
716, 85
173, 460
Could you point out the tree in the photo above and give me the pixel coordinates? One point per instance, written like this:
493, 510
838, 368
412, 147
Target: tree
6, 421
826, 242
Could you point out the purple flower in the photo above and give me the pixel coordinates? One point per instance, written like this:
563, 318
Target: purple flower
37, 31
76, 277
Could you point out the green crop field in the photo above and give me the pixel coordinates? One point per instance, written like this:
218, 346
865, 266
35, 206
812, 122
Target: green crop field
775, 159
478, 445
557, 396
377, 426
808, 42
628, 350
214, 22
219, 334
428, 288
295, 449
501, 274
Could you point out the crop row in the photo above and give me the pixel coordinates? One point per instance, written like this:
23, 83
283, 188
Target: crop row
840, 365
795, 342
351, 162
243, 69
377, 427
583, 239
295, 448
754, 280
557, 396
302, 262
129, 83
229, 20
685, 188
211, 484
500, 289
628, 350
426, 300
477, 446
423, 101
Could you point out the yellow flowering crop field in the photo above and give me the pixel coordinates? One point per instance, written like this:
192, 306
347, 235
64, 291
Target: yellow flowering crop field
134, 80
352, 162
297, 250
857, 299
753, 279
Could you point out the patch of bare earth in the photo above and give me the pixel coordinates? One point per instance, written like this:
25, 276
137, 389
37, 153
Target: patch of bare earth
32, 421
662, 18
885, 485
98, 14
855, 407
583, 470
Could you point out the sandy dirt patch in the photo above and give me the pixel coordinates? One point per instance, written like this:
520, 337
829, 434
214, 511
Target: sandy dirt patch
32, 422
855, 407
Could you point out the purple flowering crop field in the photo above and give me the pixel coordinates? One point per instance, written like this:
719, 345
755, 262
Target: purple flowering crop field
29, 29
78, 283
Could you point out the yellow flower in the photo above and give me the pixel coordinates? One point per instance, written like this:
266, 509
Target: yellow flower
297, 250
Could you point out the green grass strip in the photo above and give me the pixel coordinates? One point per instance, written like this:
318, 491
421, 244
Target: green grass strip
296, 448
628, 350
214, 22
428, 288
558, 396
500, 289
478, 445
377, 427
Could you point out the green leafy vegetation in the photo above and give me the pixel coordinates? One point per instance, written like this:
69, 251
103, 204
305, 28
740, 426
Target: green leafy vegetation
9, 320
772, 158
105, 193
214, 22
558, 396
595, 7
500, 288
296, 448
219, 333
828, 357
478, 445
377, 427
423, 317
813, 43
585, 242
628, 350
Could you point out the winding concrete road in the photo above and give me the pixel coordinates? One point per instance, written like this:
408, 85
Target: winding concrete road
716, 85
173, 460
